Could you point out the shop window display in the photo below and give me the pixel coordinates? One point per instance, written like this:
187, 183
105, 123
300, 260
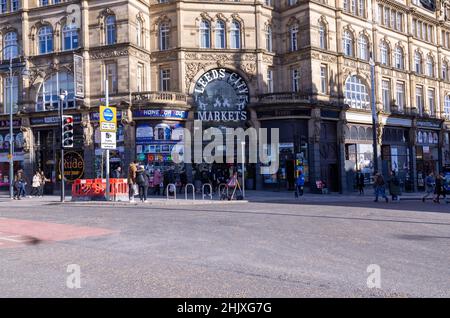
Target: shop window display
154, 144
5, 140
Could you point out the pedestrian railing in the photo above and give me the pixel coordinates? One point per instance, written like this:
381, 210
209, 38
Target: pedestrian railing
209, 194
174, 192
189, 185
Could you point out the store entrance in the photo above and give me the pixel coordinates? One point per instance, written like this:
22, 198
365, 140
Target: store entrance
46, 142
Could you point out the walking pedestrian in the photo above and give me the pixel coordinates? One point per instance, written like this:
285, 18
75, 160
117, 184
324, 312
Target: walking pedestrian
142, 179
299, 185
36, 184
430, 183
44, 180
20, 183
394, 186
360, 182
117, 173
157, 179
132, 168
380, 187
439, 189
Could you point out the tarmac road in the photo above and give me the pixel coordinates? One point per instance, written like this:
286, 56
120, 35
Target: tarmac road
317, 249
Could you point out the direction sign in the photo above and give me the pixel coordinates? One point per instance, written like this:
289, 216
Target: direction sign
108, 140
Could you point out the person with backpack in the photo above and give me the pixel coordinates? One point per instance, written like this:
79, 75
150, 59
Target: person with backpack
142, 180
380, 187
394, 186
430, 184
299, 185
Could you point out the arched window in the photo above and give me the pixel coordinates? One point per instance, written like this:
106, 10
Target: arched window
322, 35
47, 97
430, 66
139, 31
447, 106
111, 33
398, 56
164, 32
363, 45
444, 70
356, 93
70, 37
45, 36
384, 53
235, 35
418, 62
205, 34
293, 35
269, 38
347, 43
220, 34
10, 48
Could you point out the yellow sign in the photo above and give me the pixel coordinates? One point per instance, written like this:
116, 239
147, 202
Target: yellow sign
108, 119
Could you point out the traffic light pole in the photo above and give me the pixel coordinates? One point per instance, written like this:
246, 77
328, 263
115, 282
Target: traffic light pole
61, 107
107, 150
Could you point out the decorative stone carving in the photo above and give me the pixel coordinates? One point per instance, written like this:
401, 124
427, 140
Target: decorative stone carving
27, 138
109, 54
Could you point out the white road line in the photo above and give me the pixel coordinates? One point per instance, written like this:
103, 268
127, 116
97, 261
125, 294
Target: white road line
12, 240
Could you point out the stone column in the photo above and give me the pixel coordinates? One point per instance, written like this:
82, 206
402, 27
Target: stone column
412, 144
341, 136
28, 149
129, 138
88, 146
314, 126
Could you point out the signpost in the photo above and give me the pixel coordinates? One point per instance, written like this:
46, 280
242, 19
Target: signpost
108, 129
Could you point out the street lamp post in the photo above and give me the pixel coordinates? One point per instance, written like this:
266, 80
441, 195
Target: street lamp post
243, 168
11, 108
374, 114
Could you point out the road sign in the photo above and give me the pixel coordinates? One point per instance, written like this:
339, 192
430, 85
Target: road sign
108, 140
108, 119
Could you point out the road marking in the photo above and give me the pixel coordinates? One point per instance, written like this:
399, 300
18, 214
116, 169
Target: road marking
12, 240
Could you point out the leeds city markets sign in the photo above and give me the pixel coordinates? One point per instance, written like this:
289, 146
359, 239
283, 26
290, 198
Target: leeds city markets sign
221, 95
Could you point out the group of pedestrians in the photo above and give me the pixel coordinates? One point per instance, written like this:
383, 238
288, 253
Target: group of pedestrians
435, 187
21, 182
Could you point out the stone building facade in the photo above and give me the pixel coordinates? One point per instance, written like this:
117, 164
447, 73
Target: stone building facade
301, 66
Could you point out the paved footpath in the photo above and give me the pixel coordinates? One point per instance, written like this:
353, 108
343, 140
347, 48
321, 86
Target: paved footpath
270, 246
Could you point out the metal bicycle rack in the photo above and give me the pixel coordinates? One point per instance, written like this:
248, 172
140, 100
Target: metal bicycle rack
186, 191
210, 191
221, 186
174, 192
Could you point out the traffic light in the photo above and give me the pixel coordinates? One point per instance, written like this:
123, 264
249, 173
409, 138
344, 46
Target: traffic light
67, 131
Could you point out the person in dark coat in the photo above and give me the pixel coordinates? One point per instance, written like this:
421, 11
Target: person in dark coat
360, 182
142, 180
439, 189
394, 186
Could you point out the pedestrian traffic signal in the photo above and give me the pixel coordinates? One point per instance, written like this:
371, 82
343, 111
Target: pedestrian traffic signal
67, 131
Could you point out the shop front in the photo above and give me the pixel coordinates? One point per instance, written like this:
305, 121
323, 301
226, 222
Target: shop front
220, 99
5, 141
446, 149
427, 155
358, 154
47, 147
157, 133
396, 156
293, 151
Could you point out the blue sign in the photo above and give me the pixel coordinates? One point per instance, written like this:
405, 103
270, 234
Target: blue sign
108, 114
158, 113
